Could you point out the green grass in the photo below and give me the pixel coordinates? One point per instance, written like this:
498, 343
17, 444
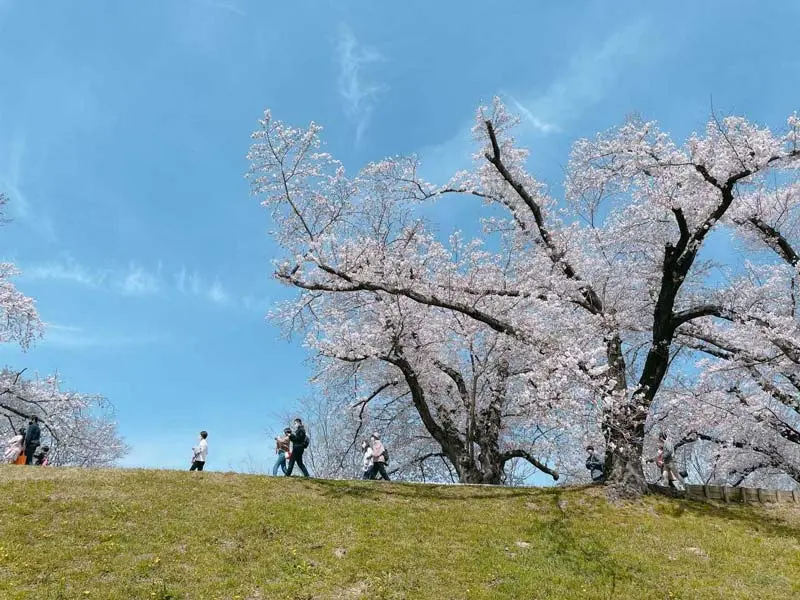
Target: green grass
161, 535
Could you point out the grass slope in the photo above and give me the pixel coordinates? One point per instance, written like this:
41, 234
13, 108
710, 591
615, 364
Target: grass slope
170, 535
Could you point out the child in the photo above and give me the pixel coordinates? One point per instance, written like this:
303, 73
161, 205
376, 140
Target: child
40, 456
200, 453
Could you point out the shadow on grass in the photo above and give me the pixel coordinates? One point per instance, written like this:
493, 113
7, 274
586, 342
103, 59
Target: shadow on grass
753, 517
581, 553
377, 489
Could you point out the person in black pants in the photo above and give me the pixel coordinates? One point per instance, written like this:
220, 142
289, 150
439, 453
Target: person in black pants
300, 442
32, 438
200, 453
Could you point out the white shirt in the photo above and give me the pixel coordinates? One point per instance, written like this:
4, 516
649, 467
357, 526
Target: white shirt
367, 458
201, 451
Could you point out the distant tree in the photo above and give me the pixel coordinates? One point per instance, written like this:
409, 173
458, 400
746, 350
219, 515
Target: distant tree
19, 320
446, 401
596, 293
79, 428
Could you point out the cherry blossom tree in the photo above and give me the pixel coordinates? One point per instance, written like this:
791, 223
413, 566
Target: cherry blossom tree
79, 428
441, 389
751, 382
597, 289
19, 320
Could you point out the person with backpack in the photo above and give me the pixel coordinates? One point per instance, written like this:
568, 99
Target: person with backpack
282, 450
595, 466
300, 442
380, 457
366, 460
200, 453
32, 438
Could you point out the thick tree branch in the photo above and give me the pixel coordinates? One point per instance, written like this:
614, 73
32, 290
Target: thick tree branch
775, 240
461, 385
697, 312
593, 301
528, 457
427, 299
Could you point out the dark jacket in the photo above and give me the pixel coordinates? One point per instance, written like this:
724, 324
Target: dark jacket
299, 438
595, 466
33, 435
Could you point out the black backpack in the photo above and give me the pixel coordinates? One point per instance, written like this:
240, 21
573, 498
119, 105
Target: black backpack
306, 441
385, 455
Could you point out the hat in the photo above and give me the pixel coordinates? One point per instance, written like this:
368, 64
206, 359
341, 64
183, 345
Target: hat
376, 435
589, 448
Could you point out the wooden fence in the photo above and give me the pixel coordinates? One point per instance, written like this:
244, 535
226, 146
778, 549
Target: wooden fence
724, 493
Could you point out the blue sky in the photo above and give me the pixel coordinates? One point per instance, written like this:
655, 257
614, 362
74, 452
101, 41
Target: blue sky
124, 128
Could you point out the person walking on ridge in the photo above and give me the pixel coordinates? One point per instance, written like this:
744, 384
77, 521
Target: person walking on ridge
300, 442
666, 462
282, 450
366, 460
380, 456
200, 453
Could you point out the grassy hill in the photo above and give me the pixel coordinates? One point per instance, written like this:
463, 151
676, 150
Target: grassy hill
111, 535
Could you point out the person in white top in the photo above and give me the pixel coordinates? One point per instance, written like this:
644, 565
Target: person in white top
367, 460
14, 448
200, 453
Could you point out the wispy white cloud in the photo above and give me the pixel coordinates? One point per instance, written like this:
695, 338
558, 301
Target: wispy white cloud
135, 280
224, 6
12, 170
217, 294
532, 119
69, 271
358, 94
192, 284
138, 281
75, 338
592, 74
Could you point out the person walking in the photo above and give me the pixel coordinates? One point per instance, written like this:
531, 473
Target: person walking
14, 447
282, 450
666, 462
32, 438
300, 442
200, 453
366, 449
380, 456
595, 466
